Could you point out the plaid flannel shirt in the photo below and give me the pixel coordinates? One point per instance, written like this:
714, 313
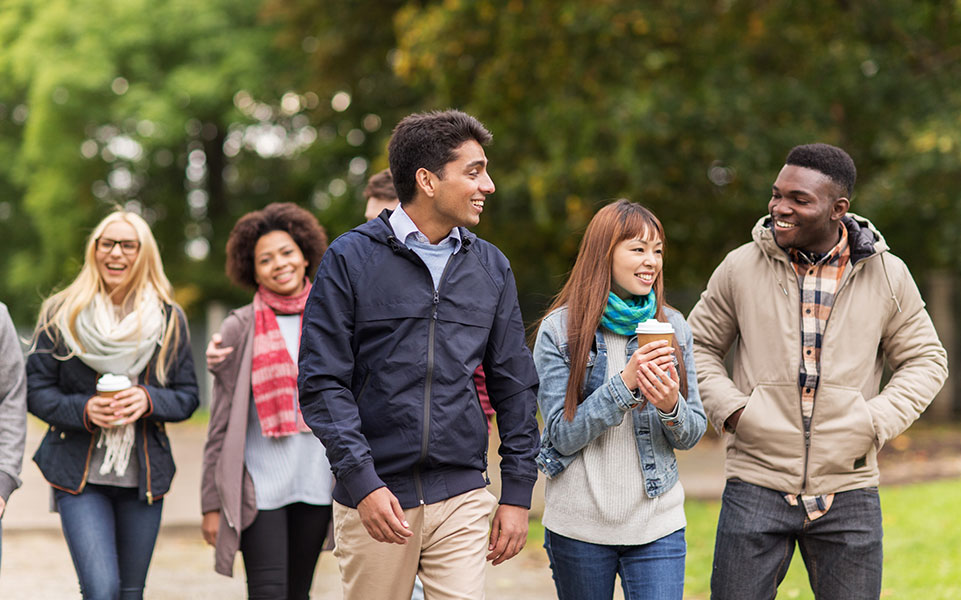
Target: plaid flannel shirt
818, 281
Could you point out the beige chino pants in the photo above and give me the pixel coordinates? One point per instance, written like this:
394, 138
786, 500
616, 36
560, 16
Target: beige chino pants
447, 550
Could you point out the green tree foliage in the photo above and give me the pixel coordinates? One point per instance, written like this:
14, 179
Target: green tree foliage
170, 108
200, 112
690, 108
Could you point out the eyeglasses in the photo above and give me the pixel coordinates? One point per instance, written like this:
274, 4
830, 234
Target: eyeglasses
128, 247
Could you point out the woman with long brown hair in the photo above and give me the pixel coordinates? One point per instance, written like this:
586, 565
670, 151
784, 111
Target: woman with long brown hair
614, 505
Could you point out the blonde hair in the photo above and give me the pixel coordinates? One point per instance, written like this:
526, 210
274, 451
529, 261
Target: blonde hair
62, 308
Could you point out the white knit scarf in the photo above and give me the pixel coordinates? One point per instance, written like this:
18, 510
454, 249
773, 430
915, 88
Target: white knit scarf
122, 344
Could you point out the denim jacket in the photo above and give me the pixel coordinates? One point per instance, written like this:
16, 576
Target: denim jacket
606, 401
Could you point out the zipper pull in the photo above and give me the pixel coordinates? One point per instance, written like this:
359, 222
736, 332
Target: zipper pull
149, 498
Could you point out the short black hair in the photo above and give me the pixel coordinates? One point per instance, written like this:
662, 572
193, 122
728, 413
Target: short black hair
828, 159
381, 186
428, 140
308, 234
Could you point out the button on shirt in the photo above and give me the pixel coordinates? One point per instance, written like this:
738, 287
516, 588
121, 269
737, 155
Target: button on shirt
435, 256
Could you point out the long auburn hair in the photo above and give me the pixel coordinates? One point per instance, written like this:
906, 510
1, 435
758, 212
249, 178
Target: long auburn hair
586, 290
62, 308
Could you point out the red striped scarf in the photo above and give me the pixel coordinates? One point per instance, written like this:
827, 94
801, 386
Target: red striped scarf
274, 374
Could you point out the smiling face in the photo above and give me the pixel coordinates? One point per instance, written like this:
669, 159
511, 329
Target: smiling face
806, 210
115, 253
279, 263
636, 264
455, 197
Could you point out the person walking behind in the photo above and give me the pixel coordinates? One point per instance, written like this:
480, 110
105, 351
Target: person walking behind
266, 483
403, 310
613, 415
13, 409
813, 309
106, 453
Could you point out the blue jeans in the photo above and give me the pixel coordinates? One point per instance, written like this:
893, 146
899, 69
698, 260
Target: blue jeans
757, 530
111, 536
585, 571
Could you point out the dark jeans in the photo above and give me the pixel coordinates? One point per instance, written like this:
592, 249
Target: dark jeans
111, 536
280, 550
585, 571
757, 530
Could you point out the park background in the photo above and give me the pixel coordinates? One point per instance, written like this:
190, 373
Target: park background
193, 112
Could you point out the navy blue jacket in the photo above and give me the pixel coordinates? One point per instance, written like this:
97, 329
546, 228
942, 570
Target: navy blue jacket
57, 393
386, 368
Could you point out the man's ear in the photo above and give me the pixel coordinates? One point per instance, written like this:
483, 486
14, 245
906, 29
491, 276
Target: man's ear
840, 208
425, 181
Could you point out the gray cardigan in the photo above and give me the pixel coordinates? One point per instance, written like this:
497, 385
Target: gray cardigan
226, 486
13, 405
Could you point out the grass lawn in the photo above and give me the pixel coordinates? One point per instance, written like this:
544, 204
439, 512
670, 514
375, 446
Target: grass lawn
922, 545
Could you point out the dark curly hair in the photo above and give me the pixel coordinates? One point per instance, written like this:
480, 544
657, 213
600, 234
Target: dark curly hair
830, 160
429, 140
308, 234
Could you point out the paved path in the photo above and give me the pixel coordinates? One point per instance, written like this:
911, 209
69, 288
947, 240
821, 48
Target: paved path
36, 564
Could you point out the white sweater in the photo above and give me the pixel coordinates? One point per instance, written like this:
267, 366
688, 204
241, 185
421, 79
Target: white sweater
600, 498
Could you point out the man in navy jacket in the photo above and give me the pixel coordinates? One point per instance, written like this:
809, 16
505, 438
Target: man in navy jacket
403, 310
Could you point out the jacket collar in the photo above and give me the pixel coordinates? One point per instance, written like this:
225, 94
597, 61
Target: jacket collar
864, 238
380, 230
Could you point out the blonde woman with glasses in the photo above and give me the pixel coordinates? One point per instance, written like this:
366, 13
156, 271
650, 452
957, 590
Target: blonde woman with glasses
106, 453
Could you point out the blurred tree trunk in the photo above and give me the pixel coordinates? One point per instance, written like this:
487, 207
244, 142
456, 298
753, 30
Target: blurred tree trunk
941, 306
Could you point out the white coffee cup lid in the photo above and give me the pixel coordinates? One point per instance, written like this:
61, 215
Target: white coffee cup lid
654, 326
109, 382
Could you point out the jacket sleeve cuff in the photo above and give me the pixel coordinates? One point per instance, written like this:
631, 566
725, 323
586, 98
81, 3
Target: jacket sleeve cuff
87, 423
7, 485
516, 491
361, 481
673, 418
209, 505
623, 397
149, 402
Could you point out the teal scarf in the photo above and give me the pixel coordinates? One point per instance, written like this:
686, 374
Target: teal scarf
622, 316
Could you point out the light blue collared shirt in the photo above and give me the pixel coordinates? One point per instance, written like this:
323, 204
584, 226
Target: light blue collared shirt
435, 256
404, 227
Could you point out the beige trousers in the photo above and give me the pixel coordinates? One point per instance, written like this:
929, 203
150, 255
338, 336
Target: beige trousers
447, 550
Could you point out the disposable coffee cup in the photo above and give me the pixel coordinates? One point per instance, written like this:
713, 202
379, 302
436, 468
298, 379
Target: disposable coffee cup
109, 384
653, 330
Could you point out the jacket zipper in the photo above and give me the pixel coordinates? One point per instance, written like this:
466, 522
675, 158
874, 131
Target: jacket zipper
425, 435
86, 467
146, 454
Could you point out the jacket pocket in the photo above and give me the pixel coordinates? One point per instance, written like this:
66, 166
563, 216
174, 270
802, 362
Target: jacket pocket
770, 430
842, 432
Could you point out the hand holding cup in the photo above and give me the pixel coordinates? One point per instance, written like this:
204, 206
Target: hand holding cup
117, 402
657, 377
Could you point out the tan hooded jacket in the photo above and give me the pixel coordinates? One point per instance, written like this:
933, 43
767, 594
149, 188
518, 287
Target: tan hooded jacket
752, 306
